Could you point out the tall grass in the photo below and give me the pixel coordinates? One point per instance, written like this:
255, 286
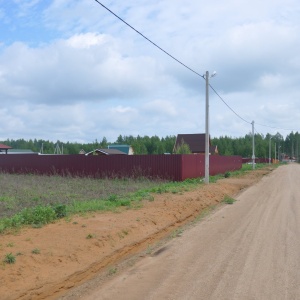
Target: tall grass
27, 191
38, 200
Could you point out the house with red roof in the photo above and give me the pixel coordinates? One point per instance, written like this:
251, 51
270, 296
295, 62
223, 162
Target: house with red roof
4, 148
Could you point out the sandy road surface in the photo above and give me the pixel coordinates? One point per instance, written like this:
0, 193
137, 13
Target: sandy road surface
248, 250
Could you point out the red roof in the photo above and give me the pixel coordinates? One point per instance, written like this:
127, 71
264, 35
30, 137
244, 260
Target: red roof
4, 147
196, 141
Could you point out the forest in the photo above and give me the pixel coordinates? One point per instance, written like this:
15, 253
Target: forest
155, 145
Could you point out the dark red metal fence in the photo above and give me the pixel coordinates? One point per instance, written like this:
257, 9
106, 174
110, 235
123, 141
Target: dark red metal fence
257, 160
172, 167
194, 165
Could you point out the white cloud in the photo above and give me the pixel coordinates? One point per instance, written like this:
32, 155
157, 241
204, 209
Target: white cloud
85, 41
95, 76
161, 107
86, 67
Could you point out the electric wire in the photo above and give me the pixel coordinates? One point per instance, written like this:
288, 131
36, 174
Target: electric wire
187, 67
275, 127
228, 105
149, 39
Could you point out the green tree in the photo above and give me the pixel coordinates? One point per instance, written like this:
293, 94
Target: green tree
183, 148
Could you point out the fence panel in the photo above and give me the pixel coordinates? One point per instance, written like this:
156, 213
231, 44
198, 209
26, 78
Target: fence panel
172, 167
194, 165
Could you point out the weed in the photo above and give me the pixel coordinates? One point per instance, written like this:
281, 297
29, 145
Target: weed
59, 197
90, 236
227, 174
112, 271
176, 233
123, 233
112, 198
20, 191
149, 249
37, 225
161, 190
206, 211
60, 210
9, 258
228, 200
10, 244
36, 251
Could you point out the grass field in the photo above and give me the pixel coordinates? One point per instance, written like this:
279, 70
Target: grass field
25, 191
37, 200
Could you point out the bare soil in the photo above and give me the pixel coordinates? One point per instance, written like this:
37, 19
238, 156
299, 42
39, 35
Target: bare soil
73, 252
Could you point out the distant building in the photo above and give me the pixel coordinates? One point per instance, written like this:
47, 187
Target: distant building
21, 151
4, 148
105, 152
196, 143
124, 148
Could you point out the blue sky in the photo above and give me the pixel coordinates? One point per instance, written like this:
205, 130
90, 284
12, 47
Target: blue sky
71, 71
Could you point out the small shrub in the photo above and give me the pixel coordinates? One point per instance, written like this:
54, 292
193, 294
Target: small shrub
176, 233
112, 271
9, 258
38, 215
161, 190
90, 236
227, 174
228, 200
60, 210
112, 198
36, 251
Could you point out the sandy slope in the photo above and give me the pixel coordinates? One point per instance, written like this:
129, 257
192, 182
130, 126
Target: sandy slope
68, 258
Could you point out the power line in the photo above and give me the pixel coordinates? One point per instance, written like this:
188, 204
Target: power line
275, 127
149, 39
187, 67
229, 106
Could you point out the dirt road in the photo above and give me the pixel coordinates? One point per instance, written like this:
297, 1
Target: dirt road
248, 250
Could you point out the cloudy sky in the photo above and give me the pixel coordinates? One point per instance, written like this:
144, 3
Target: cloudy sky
71, 71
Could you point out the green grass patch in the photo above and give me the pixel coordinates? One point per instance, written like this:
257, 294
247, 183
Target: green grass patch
228, 200
90, 236
9, 258
36, 251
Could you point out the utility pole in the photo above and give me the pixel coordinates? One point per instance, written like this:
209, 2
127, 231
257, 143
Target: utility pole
207, 128
270, 150
206, 179
297, 152
253, 150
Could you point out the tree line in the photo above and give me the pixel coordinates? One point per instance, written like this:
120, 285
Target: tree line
155, 145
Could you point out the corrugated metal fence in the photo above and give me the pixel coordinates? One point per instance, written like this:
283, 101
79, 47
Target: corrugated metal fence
172, 167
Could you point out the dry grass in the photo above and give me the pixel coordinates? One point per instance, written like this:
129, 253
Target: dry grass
25, 191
